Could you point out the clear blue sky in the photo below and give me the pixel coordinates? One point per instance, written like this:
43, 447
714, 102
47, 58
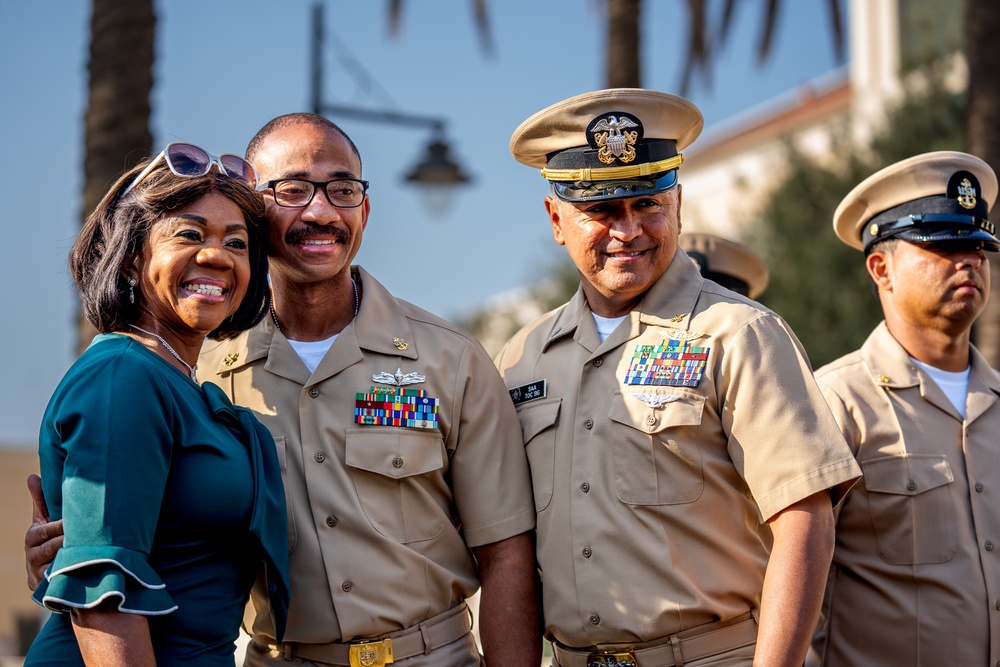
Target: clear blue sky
225, 67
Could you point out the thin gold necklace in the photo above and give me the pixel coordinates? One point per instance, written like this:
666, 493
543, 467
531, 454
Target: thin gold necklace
192, 369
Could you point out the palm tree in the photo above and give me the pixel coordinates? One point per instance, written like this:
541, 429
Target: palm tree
116, 124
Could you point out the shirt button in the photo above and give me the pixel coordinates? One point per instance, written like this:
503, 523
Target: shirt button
397, 462
979, 487
598, 363
585, 487
911, 485
331, 521
989, 545
651, 420
320, 457
314, 392
589, 424
587, 553
347, 586
595, 619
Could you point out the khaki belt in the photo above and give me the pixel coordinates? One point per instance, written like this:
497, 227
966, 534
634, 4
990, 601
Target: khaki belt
673, 651
421, 639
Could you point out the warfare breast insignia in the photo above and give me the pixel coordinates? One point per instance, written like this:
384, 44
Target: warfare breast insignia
672, 363
395, 406
655, 401
398, 379
613, 137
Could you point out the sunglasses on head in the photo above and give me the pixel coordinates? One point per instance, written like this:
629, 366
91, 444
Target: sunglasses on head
186, 159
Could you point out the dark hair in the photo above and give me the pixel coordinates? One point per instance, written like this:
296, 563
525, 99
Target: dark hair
300, 118
114, 234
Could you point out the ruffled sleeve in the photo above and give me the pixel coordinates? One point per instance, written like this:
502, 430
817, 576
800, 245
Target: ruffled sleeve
105, 451
87, 576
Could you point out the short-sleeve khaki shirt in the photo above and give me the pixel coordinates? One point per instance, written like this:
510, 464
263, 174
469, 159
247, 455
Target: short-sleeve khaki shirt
651, 499
916, 568
381, 517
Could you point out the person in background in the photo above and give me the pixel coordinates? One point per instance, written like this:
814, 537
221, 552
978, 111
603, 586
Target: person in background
683, 460
728, 263
915, 578
170, 497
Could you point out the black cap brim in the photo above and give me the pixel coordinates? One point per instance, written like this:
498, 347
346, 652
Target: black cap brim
625, 188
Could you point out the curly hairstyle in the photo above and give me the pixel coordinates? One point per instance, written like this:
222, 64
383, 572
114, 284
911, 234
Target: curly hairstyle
114, 234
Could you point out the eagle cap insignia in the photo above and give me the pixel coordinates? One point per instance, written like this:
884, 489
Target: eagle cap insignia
615, 135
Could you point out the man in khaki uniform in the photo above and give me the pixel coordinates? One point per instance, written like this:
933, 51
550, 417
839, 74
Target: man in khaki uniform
406, 480
726, 262
916, 571
672, 426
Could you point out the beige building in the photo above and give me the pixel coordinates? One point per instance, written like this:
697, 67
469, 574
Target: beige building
734, 164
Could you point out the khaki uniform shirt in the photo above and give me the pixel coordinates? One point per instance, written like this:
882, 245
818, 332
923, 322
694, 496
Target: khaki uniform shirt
650, 498
916, 570
381, 518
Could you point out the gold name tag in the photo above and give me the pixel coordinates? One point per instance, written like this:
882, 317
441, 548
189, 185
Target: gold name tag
371, 654
611, 660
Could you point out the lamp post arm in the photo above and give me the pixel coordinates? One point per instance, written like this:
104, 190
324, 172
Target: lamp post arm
381, 116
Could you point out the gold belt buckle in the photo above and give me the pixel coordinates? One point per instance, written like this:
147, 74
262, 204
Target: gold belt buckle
610, 659
377, 653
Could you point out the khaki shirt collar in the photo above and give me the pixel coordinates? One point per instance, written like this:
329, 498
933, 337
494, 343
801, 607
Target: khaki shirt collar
668, 303
380, 318
892, 368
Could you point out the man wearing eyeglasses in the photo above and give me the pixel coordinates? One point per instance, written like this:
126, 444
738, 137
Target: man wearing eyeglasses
916, 569
683, 460
406, 480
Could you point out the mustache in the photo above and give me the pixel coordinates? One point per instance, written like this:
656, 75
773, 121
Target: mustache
297, 235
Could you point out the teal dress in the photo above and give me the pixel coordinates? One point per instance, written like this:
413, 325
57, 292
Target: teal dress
171, 501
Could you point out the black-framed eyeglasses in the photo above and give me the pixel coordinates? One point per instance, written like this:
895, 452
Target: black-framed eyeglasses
298, 192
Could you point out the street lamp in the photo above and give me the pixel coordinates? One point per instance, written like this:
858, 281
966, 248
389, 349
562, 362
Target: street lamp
437, 173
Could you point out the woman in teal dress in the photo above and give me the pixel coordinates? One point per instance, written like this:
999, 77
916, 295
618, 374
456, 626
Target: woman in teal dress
171, 497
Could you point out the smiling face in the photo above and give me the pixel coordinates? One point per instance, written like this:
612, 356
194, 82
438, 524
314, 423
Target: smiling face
939, 287
620, 246
317, 242
194, 268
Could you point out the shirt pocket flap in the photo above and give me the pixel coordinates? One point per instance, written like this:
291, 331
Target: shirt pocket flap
906, 475
651, 412
536, 417
395, 452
